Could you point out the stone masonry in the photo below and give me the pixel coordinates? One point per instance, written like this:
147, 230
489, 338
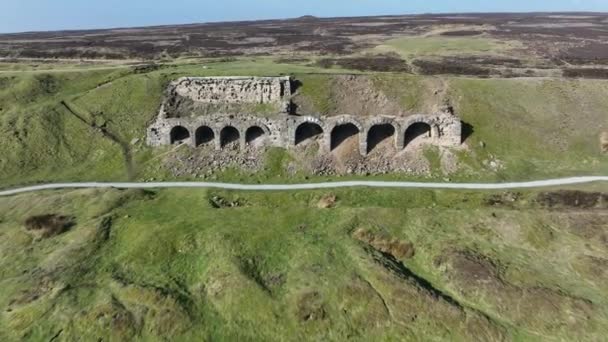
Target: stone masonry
283, 129
234, 89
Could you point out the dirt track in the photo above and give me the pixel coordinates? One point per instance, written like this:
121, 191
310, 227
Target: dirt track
313, 186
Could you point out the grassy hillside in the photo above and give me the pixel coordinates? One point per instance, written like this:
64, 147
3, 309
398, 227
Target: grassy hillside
357, 264
90, 125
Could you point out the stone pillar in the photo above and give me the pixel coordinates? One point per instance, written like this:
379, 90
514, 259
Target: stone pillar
399, 139
217, 140
435, 132
363, 134
243, 139
192, 142
327, 140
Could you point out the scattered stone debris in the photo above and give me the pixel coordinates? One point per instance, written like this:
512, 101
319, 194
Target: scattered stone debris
203, 162
221, 202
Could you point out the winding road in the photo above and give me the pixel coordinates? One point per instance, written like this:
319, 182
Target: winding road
312, 186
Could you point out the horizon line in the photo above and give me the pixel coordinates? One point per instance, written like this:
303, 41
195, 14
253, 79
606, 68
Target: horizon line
413, 14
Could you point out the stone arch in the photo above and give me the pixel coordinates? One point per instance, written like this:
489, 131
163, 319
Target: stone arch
229, 135
204, 135
378, 133
256, 135
342, 132
307, 130
415, 131
179, 135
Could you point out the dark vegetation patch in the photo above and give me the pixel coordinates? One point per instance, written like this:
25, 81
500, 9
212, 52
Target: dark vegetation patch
49, 225
592, 267
566, 199
472, 268
310, 306
507, 198
146, 68
551, 38
463, 33
358, 291
398, 268
414, 298
379, 63
47, 84
253, 268
591, 225
449, 67
594, 73
6, 81
293, 60
386, 244
485, 61
42, 287
591, 52
539, 308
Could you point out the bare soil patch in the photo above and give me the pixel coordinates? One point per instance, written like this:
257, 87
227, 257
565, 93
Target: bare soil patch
570, 199
49, 225
310, 307
589, 225
592, 268
386, 244
327, 201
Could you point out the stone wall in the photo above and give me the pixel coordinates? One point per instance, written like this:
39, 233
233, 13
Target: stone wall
226, 94
282, 129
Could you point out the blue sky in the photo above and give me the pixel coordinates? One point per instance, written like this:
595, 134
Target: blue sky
39, 15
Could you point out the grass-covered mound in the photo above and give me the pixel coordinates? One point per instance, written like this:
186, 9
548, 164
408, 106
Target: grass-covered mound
375, 264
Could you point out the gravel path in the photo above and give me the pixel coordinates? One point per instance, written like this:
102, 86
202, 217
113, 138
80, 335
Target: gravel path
328, 185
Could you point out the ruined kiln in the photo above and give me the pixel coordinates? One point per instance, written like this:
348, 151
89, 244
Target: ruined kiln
218, 111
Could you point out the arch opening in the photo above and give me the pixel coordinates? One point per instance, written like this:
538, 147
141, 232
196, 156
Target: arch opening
229, 136
179, 135
204, 135
306, 131
342, 133
255, 136
379, 134
418, 131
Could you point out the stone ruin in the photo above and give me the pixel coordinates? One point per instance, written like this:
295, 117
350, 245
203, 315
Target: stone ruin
212, 111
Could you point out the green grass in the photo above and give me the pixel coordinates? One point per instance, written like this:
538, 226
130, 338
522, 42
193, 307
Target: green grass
169, 265
411, 47
538, 128
534, 127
